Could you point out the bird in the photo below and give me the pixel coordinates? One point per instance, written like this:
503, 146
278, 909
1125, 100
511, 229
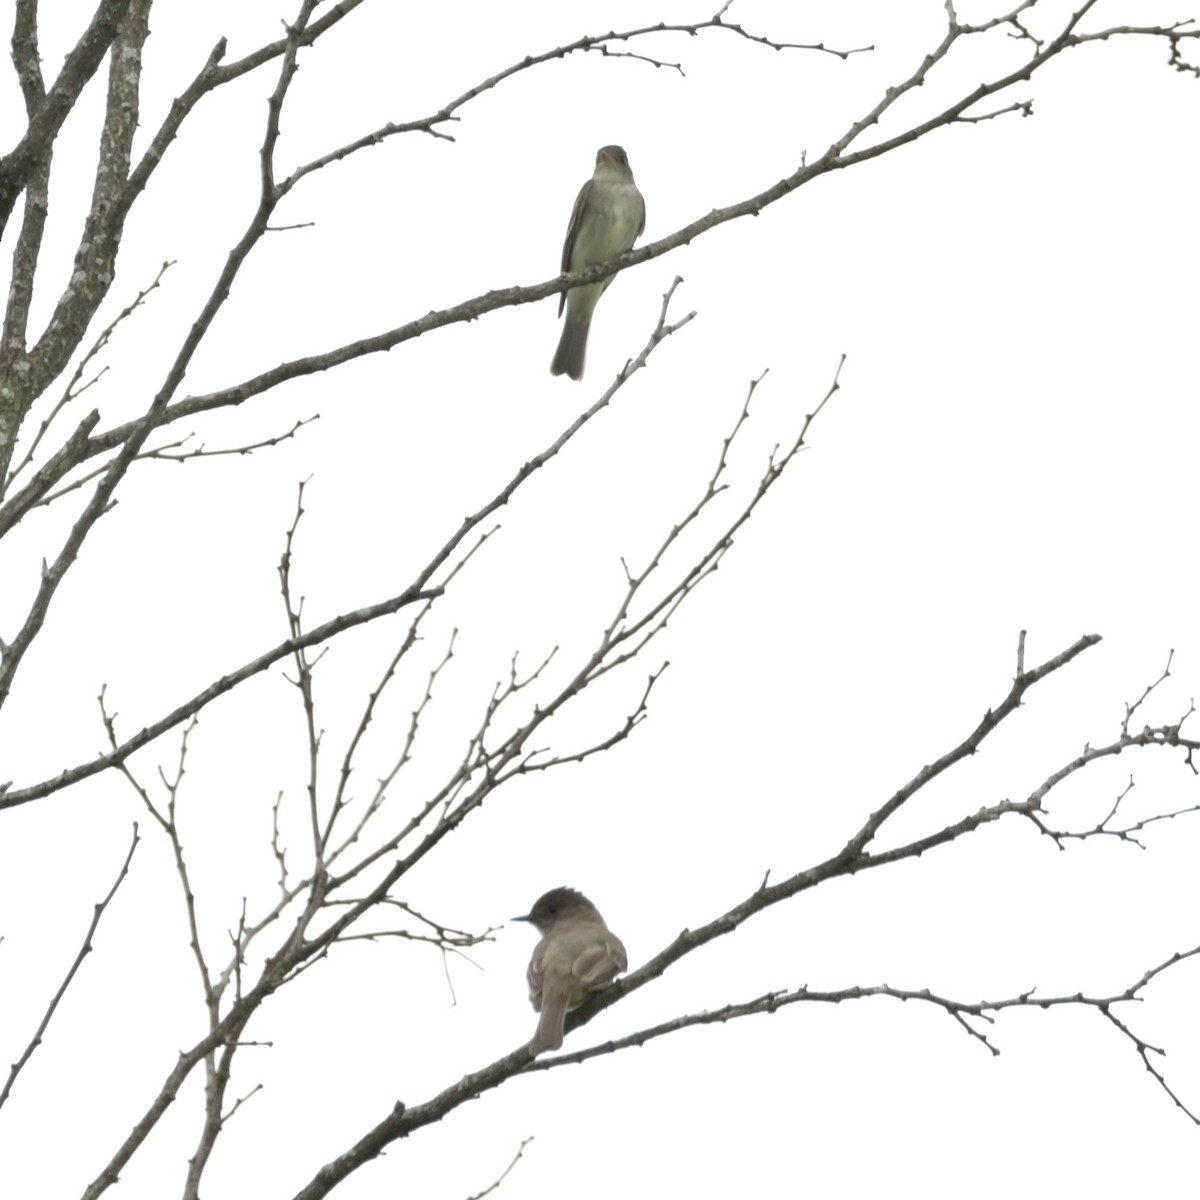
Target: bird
578, 955
608, 217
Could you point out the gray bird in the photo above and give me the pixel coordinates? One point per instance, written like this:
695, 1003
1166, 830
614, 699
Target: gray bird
608, 218
578, 955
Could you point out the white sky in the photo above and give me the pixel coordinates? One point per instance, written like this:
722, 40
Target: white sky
1013, 447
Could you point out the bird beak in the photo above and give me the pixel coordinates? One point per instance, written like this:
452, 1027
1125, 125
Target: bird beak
524, 918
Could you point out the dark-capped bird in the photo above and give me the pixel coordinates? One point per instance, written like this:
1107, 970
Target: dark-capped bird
578, 954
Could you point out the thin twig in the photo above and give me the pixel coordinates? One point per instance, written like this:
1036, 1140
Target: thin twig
84, 951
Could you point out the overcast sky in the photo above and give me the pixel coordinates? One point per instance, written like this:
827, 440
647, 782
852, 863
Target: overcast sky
1012, 447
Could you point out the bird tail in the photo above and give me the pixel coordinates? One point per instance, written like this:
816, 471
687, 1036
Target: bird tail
572, 351
549, 1035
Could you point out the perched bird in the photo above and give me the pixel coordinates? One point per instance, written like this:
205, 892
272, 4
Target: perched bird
608, 218
578, 954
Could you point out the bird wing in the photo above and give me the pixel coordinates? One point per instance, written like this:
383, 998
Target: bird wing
599, 963
572, 229
534, 978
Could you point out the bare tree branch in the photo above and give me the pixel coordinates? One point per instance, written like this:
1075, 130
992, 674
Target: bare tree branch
26, 156
959, 1010
84, 951
74, 388
487, 1191
417, 592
